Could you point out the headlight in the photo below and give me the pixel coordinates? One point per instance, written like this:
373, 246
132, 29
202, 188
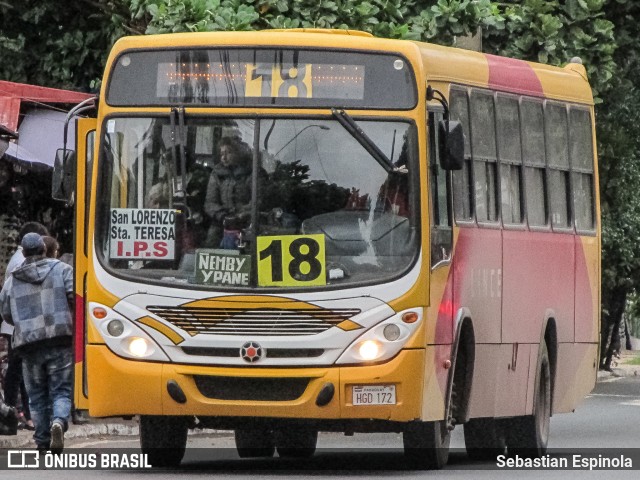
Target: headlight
138, 346
124, 337
383, 341
369, 349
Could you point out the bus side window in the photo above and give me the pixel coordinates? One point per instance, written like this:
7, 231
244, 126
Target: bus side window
510, 153
581, 153
557, 145
483, 151
440, 187
462, 179
533, 155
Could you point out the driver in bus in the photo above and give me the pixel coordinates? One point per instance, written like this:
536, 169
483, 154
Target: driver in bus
228, 198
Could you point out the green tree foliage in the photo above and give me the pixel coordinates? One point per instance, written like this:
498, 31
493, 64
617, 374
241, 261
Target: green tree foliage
53, 44
619, 142
618, 121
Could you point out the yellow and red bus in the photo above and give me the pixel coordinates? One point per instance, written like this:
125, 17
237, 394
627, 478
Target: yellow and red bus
408, 240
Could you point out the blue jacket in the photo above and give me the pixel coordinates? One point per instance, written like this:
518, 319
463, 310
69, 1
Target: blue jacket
35, 299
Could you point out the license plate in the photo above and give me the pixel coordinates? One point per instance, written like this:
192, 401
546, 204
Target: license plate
374, 394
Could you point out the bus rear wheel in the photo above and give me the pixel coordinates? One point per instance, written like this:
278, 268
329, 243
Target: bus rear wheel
426, 445
296, 442
163, 439
528, 435
484, 439
254, 442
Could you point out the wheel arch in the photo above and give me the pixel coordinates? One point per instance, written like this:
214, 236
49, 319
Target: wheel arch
462, 368
549, 335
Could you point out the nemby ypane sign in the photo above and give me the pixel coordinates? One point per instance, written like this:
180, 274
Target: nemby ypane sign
217, 267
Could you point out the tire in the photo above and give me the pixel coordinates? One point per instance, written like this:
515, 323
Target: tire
297, 442
484, 439
251, 443
163, 439
426, 445
528, 436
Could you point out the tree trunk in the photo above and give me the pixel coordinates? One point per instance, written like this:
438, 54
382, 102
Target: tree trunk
627, 334
610, 332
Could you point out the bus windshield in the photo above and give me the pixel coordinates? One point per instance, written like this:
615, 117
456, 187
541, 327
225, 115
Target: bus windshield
243, 203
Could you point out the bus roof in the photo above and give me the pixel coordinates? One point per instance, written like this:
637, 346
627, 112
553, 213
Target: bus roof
506, 74
439, 63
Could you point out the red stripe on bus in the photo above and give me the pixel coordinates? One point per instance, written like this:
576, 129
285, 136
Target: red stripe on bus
509, 280
513, 75
446, 311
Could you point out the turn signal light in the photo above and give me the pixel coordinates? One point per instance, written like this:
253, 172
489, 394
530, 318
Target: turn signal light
410, 317
99, 313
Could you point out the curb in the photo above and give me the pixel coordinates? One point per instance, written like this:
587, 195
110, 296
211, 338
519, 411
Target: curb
623, 367
616, 372
24, 438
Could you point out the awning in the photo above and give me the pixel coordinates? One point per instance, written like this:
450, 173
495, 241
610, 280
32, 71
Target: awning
40, 135
14, 96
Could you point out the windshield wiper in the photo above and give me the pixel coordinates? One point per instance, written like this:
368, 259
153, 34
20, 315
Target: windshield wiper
363, 139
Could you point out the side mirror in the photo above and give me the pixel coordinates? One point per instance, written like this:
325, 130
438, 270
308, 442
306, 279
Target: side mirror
451, 143
64, 174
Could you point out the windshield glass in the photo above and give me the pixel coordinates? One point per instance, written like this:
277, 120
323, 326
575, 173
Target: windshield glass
244, 203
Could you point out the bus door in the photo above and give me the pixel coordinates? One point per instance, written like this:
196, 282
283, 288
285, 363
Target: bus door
85, 141
441, 237
440, 332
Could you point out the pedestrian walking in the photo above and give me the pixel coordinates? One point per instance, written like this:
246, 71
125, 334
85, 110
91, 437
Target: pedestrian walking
37, 300
14, 387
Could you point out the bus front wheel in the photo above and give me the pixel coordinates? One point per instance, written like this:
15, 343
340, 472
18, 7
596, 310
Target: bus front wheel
296, 442
426, 445
254, 442
163, 439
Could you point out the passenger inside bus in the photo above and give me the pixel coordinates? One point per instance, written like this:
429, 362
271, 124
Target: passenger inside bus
228, 197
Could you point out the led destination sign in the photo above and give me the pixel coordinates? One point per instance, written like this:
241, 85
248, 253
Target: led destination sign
262, 77
261, 80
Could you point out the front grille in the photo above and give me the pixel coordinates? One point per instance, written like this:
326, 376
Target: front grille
293, 352
246, 388
270, 353
249, 321
212, 351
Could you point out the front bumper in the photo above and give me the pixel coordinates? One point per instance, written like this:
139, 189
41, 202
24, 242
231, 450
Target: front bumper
120, 387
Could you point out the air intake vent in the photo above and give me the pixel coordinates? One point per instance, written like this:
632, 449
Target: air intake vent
258, 321
271, 352
246, 388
